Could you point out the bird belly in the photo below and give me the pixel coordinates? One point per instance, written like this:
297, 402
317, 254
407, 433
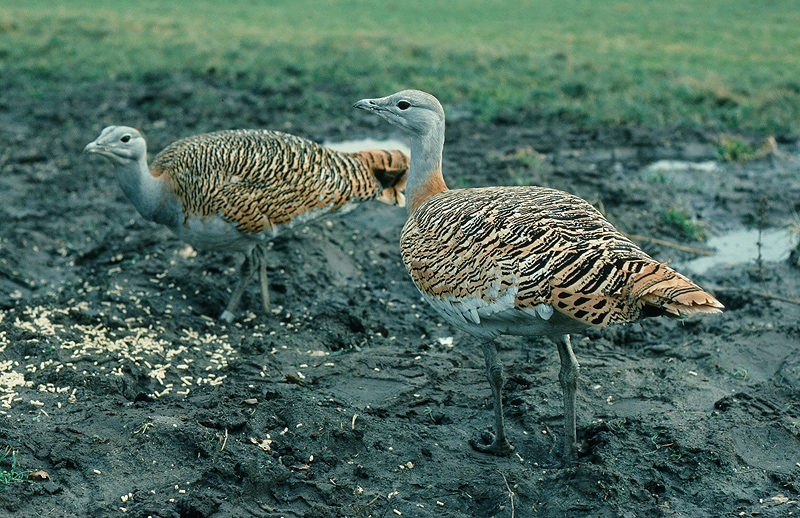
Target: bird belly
216, 234
487, 320
323, 212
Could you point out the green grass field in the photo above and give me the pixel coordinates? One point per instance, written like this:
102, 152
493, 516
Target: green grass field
726, 64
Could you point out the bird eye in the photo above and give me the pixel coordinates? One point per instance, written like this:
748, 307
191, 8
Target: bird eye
404, 105
126, 138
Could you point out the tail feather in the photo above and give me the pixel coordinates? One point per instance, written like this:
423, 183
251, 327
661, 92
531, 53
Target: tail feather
679, 297
390, 167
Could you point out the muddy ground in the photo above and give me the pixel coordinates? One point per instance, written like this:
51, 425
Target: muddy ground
354, 399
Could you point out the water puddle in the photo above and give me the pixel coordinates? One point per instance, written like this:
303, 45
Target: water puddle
671, 166
351, 146
740, 247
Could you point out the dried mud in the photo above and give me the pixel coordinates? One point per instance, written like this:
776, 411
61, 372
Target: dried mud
354, 399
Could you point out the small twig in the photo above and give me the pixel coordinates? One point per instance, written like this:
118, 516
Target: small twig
364, 507
225, 440
747, 291
143, 429
510, 493
670, 244
555, 439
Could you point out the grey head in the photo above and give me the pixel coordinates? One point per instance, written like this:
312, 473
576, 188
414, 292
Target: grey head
120, 144
418, 113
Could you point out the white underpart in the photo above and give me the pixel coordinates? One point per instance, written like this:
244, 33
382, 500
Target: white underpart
214, 233
494, 312
321, 212
489, 318
545, 311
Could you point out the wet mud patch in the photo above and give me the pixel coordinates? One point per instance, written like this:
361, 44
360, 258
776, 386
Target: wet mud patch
353, 398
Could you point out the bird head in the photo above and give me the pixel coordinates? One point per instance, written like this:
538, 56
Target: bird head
418, 113
120, 144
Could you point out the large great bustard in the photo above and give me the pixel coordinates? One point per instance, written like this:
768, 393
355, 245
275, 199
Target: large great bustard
521, 261
234, 190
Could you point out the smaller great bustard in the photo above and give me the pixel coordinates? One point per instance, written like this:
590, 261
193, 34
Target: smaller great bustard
521, 261
234, 190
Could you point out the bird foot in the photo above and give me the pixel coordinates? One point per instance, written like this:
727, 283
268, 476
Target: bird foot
569, 460
500, 448
569, 456
227, 316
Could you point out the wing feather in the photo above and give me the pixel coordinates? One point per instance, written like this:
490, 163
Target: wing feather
548, 248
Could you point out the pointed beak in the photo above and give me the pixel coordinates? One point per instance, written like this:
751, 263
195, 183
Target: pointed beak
91, 147
366, 104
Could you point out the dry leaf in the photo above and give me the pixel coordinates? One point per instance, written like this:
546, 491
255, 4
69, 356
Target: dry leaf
779, 498
39, 476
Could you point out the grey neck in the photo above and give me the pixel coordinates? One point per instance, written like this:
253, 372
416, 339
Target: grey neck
141, 188
425, 164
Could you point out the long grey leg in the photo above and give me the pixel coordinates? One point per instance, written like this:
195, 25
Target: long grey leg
246, 273
261, 253
568, 378
494, 372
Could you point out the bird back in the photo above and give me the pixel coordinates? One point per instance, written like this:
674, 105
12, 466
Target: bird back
261, 179
474, 247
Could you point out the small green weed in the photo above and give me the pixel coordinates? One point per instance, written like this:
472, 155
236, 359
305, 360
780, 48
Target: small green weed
741, 372
681, 220
13, 474
734, 149
658, 176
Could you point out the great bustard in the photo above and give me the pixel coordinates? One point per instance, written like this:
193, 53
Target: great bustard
234, 190
521, 261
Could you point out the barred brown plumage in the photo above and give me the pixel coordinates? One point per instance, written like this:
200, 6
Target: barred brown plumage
233, 190
521, 261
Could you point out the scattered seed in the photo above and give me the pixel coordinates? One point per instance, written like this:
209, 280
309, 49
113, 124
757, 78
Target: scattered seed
265, 444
